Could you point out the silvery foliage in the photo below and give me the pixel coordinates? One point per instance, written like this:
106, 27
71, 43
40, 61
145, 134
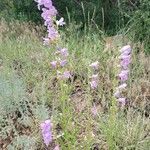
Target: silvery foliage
14, 104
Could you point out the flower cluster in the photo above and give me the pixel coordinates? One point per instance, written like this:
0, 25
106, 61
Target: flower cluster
61, 62
94, 78
49, 15
46, 128
125, 60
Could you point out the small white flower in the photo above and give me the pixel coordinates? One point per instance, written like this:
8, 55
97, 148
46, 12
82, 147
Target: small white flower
60, 22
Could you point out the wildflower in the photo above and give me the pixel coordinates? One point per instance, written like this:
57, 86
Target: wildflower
125, 62
52, 33
66, 75
63, 63
125, 56
63, 52
122, 101
46, 132
126, 49
95, 65
45, 3
94, 84
122, 86
54, 64
48, 14
124, 75
60, 22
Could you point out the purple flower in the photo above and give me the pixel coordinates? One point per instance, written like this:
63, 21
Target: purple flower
124, 75
46, 132
54, 64
122, 101
60, 22
95, 65
52, 33
94, 84
124, 56
125, 62
45, 3
63, 62
66, 75
126, 49
63, 52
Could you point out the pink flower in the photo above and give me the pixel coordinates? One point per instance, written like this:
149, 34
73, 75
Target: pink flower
95, 65
46, 132
94, 84
54, 64
60, 22
124, 75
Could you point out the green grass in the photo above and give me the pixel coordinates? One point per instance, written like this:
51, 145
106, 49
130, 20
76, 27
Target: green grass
24, 64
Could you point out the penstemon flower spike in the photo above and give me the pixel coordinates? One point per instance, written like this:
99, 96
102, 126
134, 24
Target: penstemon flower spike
125, 59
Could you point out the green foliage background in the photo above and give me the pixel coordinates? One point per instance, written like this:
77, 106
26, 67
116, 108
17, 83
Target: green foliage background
111, 16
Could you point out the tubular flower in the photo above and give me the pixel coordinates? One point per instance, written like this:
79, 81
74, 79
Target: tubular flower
63, 63
63, 52
125, 60
66, 75
54, 64
124, 75
94, 84
46, 131
48, 14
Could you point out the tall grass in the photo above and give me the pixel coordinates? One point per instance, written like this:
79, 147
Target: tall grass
36, 94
